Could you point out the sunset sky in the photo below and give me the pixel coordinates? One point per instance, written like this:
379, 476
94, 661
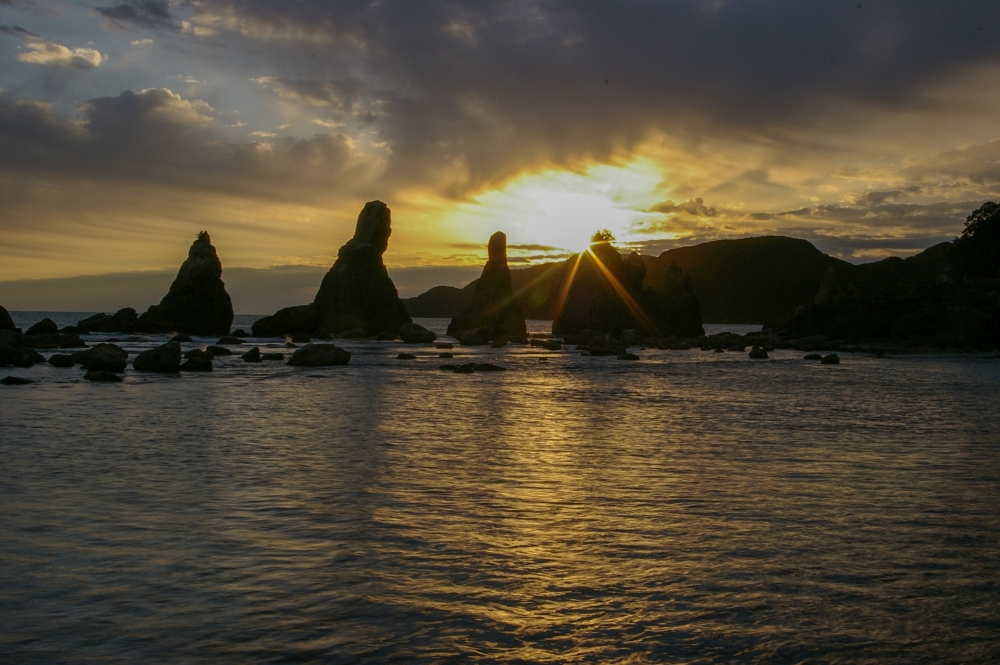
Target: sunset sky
868, 128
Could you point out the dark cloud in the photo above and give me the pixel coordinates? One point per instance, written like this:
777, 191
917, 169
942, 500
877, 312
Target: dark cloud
142, 13
157, 137
495, 85
694, 207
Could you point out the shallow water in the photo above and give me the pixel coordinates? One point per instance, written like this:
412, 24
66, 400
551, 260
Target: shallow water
689, 507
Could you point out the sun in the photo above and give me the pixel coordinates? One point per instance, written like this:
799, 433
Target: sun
559, 211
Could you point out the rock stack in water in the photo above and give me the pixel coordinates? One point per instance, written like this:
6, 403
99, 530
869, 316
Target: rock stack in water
197, 303
604, 292
494, 306
357, 293
6, 323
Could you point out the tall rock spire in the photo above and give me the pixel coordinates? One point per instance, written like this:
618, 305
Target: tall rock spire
493, 303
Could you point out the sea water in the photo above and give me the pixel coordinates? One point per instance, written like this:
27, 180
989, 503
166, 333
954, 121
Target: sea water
687, 507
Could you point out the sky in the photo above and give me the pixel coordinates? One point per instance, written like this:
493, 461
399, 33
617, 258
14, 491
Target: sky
869, 128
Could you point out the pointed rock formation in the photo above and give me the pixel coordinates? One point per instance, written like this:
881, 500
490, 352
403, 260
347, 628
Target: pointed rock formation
197, 303
357, 292
493, 303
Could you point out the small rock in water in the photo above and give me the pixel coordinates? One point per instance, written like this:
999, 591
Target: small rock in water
448, 368
758, 353
446, 354
812, 356
252, 356
468, 368
289, 345
239, 332
272, 356
489, 367
386, 336
832, 359
165, 358
320, 355
61, 360
199, 353
102, 358
444, 345
300, 338
627, 356
102, 375
197, 364
43, 327
720, 350
406, 356
229, 340
181, 338
219, 351
498, 344
412, 333
15, 381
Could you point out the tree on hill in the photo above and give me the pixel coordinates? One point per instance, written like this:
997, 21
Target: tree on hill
977, 251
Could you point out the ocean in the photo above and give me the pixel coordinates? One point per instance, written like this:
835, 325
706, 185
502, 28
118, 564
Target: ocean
690, 507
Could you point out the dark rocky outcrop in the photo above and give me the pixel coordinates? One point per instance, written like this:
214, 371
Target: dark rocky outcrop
357, 292
252, 356
216, 350
227, 339
101, 358
288, 321
199, 353
605, 293
320, 355
493, 303
831, 359
181, 338
165, 358
102, 375
124, 320
272, 356
197, 302
15, 381
15, 352
406, 356
758, 353
240, 333
43, 327
58, 340
6, 323
412, 333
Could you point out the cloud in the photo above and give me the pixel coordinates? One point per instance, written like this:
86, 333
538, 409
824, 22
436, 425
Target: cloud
142, 42
44, 52
695, 207
142, 13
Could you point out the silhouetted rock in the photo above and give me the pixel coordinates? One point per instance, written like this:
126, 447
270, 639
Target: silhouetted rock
812, 356
227, 339
218, 350
832, 359
197, 303
493, 303
444, 345
54, 341
272, 356
627, 356
6, 323
489, 367
357, 292
758, 353
61, 360
406, 356
240, 333
181, 338
15, 352
288, 321
199, 353
301, 338
102, 357
124, 320
197, 365
476, 337
446, 354
252, 356
165, 358
412, 333
15, 381
102, 375
319, 355
43, 327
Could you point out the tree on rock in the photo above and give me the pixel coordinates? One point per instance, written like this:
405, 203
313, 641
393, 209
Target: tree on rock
493, 303
197, 302
977, 251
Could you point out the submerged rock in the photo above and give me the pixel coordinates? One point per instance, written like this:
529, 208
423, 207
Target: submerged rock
252, 356
493, 303
357, 292
181, 338
197, 364
812, 356
489, 367
199, 353
165, 358
197, 302
272, 356
832, 359
758, 353
320, 355
15, 381
412, 333
102, 358
627, 356
406, 356
43, 327
218, 350
103, 376
229, 340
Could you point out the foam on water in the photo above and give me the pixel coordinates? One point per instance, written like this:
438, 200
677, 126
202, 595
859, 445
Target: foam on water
692, 506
